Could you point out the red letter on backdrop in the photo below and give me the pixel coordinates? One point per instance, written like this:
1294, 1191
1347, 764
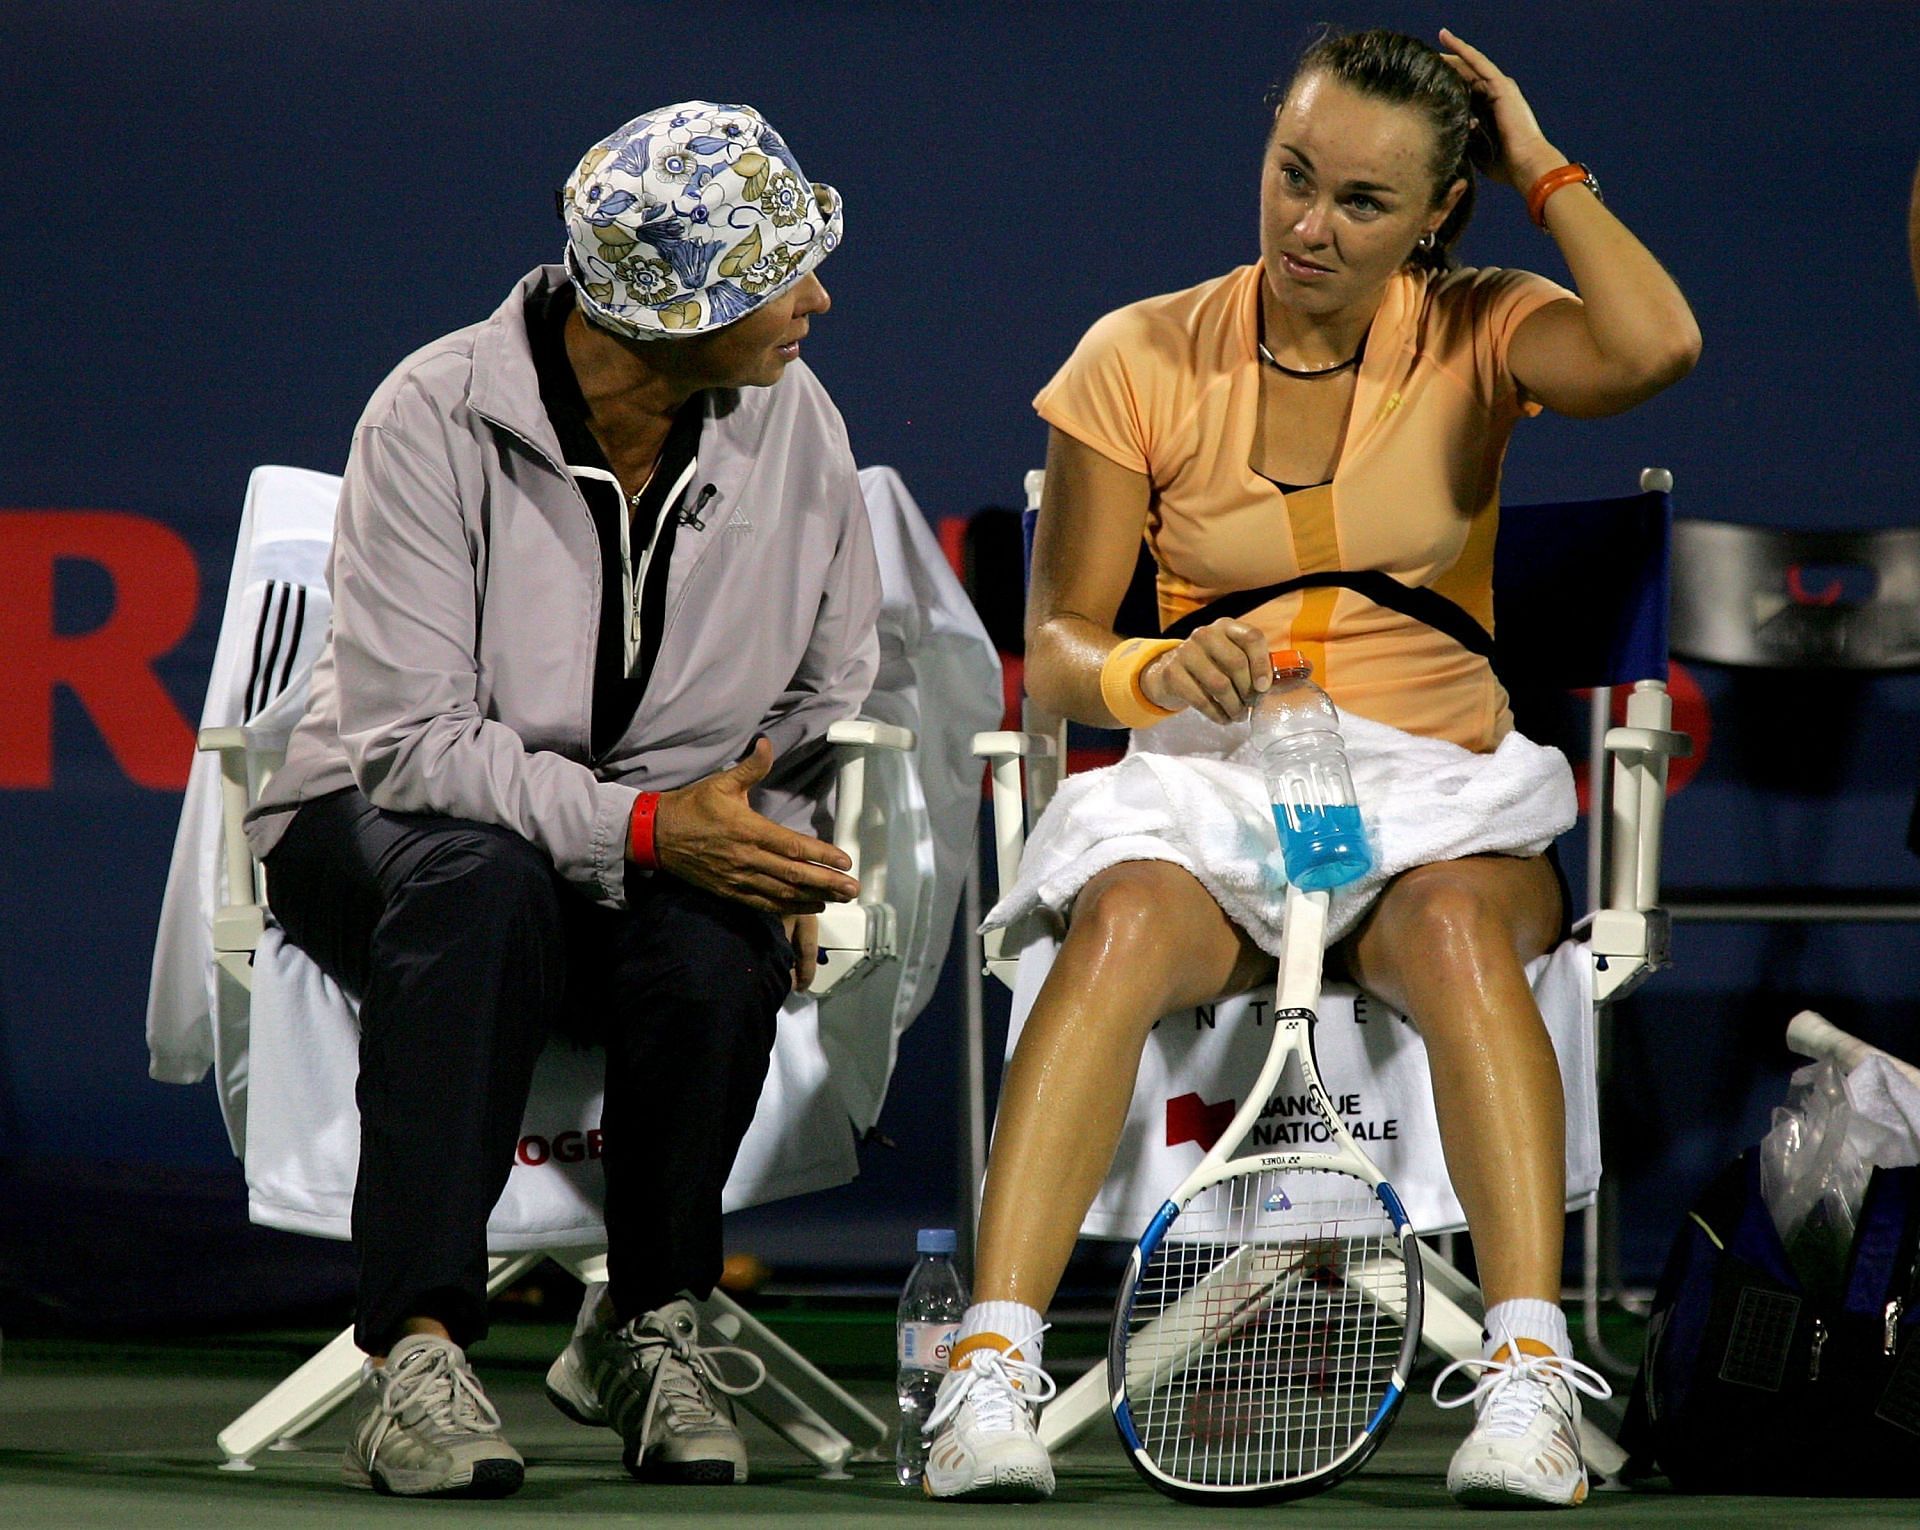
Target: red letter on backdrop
156, 587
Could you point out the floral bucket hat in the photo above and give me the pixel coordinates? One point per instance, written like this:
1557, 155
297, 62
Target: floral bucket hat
690, 217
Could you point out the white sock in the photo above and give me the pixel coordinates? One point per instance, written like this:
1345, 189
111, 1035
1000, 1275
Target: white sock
1543, 1322
1015, 1322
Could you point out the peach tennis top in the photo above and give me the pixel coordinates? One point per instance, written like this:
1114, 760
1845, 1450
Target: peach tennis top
1169, 387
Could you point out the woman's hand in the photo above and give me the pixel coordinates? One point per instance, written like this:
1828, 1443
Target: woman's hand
1525, 154
1218, 671
1631, 334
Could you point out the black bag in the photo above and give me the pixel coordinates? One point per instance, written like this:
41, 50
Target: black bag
1753, 1383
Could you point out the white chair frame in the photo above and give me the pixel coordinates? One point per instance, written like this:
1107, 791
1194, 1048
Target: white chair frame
797, 1400
1627, 933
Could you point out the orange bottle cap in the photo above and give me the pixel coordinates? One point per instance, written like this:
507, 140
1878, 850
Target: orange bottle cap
1284, 659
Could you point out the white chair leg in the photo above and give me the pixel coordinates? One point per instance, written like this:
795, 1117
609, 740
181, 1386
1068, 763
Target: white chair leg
797, 1400
323, 1384
586, 1265
296, 1404
1066, 1418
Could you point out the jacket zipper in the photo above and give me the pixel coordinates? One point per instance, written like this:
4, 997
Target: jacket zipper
707, 495
1819, 1343
580, 499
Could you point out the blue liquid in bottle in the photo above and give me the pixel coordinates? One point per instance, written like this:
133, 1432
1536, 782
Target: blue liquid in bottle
1324, 847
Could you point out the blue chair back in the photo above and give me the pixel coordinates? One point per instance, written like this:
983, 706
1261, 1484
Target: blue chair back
1580, 592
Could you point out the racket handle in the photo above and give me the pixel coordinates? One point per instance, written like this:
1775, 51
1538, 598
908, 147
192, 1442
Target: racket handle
1817, 1037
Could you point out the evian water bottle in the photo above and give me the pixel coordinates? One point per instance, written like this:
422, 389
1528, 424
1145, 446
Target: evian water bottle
1296, 734
931, 1307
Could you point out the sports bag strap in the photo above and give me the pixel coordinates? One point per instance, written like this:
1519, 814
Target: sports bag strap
1881, 1263
1422, 605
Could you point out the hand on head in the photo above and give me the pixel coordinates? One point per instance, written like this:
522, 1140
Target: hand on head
1218, 671
709, 835
1524, 153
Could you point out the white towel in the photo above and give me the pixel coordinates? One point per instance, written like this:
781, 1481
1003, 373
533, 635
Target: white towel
1190, 793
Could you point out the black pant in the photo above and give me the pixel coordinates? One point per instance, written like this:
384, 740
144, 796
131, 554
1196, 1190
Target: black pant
466, 951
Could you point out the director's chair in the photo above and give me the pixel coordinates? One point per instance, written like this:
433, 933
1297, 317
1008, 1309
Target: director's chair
231, 995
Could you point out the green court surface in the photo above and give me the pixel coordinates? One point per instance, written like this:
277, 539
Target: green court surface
116, 1434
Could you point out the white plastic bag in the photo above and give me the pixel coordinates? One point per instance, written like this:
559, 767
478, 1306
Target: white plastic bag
1834, 1130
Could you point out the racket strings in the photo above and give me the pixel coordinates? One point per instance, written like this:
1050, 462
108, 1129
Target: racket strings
1264, 1329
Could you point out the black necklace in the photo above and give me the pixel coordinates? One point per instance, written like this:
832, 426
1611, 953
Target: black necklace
1308, 373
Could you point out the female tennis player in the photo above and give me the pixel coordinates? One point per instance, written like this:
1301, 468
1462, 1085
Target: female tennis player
1342, 404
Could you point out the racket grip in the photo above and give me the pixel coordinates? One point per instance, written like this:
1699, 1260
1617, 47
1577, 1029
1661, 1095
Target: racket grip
1817, 1037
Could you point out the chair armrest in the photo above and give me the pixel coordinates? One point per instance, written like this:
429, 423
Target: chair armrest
1661, 741
993, 746
865, 733
248, 757
1628, 947
264, 742
1005, 751
855, 739
855, 937
1630, 933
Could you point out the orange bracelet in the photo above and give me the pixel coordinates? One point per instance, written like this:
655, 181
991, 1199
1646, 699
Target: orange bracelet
1120, 681
640, 847
1548, 184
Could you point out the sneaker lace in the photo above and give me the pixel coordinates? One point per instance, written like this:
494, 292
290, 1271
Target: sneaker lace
998, 1385
683, 1372
1509, 1394
434, 1386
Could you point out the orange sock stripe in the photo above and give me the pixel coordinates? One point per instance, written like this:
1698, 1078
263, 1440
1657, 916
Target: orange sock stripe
1525, 1347
964, 1348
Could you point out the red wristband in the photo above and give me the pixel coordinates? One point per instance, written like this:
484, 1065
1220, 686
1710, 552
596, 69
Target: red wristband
1554, 180
640, 849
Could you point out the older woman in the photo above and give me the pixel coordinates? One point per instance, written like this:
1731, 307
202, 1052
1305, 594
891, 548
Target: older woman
1343, 404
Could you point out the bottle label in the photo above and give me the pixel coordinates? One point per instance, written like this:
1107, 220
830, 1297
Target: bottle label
926, 1346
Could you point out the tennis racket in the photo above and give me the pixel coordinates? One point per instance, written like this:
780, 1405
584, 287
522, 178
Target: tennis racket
1271, 1311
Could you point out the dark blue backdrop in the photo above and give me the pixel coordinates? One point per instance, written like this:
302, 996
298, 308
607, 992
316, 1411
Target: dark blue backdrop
222, 224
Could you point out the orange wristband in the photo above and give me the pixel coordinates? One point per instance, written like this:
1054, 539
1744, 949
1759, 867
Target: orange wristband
1548, 184
640, 849
1120, 681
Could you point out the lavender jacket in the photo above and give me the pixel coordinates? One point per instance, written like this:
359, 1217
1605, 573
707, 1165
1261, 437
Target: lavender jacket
458, 674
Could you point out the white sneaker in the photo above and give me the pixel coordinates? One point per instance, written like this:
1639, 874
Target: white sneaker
982, 1441
1524, 1450
423, 1427
654, 1382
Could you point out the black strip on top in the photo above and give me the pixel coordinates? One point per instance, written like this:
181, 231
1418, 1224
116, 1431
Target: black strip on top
1422, 605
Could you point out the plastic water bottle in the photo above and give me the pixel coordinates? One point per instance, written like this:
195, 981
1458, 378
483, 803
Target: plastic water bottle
1296, 733
931, 1306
